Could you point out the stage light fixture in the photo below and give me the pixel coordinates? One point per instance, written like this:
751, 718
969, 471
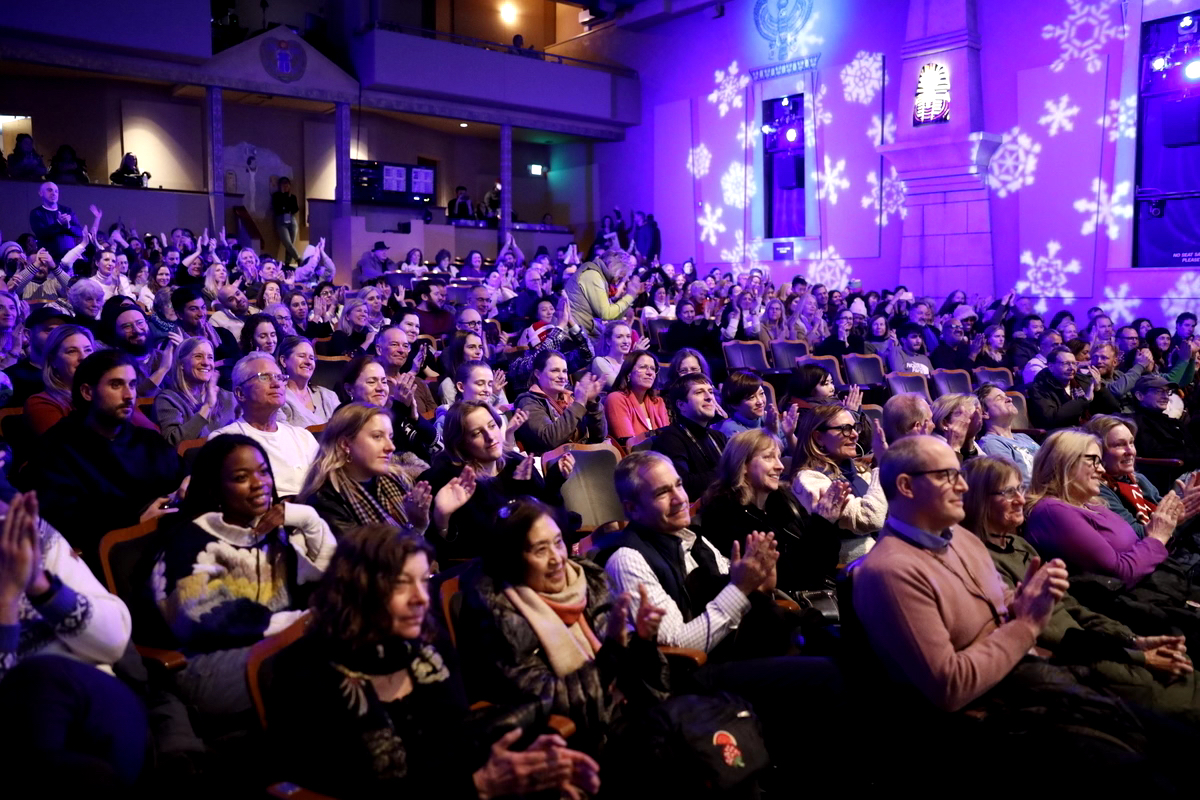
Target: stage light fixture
462, 124
767, 129
791, 134
1187, 24
1158, 64
1192, 71
784, 102
537, 169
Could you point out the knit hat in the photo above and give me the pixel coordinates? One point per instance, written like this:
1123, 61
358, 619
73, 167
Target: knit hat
7, 246
858, 307
963, 311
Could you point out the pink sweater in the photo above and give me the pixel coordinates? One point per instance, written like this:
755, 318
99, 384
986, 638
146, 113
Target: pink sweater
926, 617
625, 418
1092, 539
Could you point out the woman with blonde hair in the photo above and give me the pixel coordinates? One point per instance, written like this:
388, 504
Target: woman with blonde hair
958, 418
190, 405
826, 452
1069, 520
356, 479
749, 495
215, 277
354, 334
808, 315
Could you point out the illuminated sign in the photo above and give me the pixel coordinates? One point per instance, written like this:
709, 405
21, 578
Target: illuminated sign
933, 95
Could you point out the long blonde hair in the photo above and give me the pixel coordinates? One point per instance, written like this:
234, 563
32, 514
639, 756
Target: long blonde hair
330, 463
177, 377
1058, 455
735, 460
984, 476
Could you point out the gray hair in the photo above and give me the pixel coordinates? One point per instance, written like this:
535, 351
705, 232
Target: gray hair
628, 478
900, 413
906, 456
242, 370
84, 289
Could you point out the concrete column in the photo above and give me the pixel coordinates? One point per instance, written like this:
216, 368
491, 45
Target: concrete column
506, 178
214, 156
339, 245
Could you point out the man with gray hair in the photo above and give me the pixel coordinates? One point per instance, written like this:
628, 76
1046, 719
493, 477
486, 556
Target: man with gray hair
259, 387
905, 415
587, 292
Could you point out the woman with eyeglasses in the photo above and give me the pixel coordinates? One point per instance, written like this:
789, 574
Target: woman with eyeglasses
826, 452
367, 688
634, 407
998, 415
305, 403
843, 339
190, 404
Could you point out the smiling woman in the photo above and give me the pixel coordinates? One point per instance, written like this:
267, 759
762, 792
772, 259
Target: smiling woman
190, 405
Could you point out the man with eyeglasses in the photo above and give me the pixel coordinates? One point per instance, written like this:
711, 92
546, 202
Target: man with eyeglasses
1127, 339
128, 329
96, 470
1061, 393
260, 388
1158, 434
933, 606
954, 351
1049, 340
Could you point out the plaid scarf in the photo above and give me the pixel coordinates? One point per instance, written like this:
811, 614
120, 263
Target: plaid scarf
387, 506
1131, 496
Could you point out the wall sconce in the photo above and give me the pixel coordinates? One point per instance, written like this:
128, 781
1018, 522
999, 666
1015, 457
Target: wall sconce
932, 104
538, 170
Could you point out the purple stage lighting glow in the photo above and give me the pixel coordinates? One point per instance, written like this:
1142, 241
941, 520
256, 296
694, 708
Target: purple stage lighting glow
791, 133
1192, 71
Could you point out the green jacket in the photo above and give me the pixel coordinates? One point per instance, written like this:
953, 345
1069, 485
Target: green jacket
587, 292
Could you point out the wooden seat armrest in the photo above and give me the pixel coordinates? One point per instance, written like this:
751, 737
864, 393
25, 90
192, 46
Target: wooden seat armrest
563, 726
786, 603
169, 659
698, 657
1160, 462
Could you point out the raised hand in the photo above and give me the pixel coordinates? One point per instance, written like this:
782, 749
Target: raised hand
649, 617
1044, 585
750, 571
879, 443
566, 465
416, 504
524, 470
20, 556
453, 496
833, 500
499, 381
519, 418
853, 401
771, 418
405, 387
790, 420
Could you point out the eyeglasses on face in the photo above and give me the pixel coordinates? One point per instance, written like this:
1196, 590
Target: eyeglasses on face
1093, 460
846, 430
267, 377
949, 476
1010, 493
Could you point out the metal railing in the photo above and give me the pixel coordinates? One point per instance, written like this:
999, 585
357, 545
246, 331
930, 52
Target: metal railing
497, 47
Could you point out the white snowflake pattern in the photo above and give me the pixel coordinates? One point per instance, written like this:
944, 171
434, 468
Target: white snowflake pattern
800, 43
710, 224
1088, 27
1014, 163
831, 179
730, 86
747, 135
743, 253
829, 268
737, 185
1059, 115
863, 77
1118, 304
1047, 276
888, 198
1121, 118
699, 160
1185, 295
1103, 209
882, 131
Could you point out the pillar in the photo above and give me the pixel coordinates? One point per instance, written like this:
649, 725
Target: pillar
505, 182
214, 156
342, 162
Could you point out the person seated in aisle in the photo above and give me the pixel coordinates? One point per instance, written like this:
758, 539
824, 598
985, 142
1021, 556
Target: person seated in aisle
998, 439
260, 388
615, 344
958, 419
436, 320
842, 340
1128, 493
826, 453
587, 291
60, 634
1023, 344
749, 495
190, 404
96, 471
1060, 395
371, 618
305, 403
481, 462
555, 413
236, 567
634, 405
1049, 340
1158, 434
357, 479
127, 328
233, 307
192, 316
745, 400
690, 442
26, 375
354, 334
539, 626
394, 348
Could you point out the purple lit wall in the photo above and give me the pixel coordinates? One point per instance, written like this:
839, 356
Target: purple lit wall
1059, 85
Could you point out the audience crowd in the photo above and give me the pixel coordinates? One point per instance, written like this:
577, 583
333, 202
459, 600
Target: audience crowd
676, 531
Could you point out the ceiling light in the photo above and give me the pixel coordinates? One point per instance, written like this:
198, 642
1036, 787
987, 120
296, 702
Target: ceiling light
508, 13
462, 124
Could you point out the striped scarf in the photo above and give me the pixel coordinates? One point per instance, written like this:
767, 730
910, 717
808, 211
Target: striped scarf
386, 506
1131, 496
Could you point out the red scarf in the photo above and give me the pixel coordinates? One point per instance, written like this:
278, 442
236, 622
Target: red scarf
1131, 496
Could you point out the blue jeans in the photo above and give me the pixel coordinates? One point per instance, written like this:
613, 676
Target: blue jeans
287, 233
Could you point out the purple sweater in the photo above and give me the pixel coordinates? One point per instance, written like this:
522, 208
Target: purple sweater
1092, 539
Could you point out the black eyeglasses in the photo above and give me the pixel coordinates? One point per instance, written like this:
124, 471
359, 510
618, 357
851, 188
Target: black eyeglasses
949, 475
845, 430
1094, 460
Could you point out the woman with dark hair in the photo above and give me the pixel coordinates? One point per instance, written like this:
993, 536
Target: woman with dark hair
953, 301
414, 262
562, 335
1142, 326
306, 325
472, 265
367, 689
238, 567
1177, 364
879, 338
544, 627
464, 346
261, 333
556, 413
366, 381
480, 454
634, 406
441, 260
691, 329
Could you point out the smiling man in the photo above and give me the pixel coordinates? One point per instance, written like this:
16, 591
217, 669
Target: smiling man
1158, 434
693, 447
259, 386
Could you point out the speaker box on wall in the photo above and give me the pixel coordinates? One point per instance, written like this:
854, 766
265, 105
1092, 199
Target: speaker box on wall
1181, 122
789, 170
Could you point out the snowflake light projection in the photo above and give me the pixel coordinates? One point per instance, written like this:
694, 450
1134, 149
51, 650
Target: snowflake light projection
829, 268
1047, 276
710, 224
888, 198
743, 253
1088, 27
1183, 297
737, 185
815, 112
1059, 115
730, 86
1014, 162
1103, 209
699, 160
1118, 304
747, 135
882, 131
1121, 118
863, 77
831, 179
802, 42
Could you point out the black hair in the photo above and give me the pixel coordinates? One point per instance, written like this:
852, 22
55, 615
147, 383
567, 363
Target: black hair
739, 387
93, 369
805, 379
504, 556
184, 295
251, 326
540, 361
204, 492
